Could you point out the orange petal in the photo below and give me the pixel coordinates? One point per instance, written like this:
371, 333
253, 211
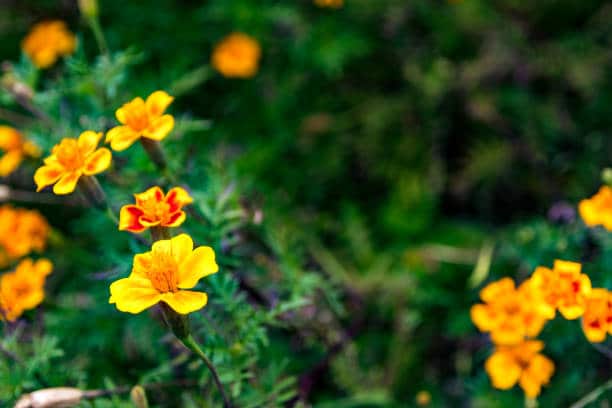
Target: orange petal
67, 183
128, 219
148, 222
121, 137
157, 102
133, 294
47, 175
9, 162
198, 264
88, 141
503, 370
185, 301
97, 162
177, 197
160, 128
153, 193
175, 219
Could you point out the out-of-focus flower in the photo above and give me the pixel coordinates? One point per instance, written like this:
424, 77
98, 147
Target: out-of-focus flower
597, 210
423, 398
71, 159
508, 313
15, 148
520, 363
237, 56
21, 232
597, 317
154, 208
140, 118
329, 3
163, 274
47, 41
564, 288
23, 288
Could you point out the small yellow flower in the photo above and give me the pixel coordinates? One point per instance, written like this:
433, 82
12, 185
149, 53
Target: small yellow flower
597, 317
15, 148
47, 41
140, 118
237, 56
423, 398
597, 210
21, 232
163, 274
329, 3
71, 159
23, 288
520, 363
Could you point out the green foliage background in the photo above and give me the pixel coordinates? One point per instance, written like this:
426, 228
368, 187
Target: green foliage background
388, 145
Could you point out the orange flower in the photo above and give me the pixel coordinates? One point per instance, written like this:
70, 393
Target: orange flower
23, 288
509, 314
329, 3
47, 41
597, 210
563, 288
520, 363
15, 148
237, 56
597, 318
153, 208
21, 232
71, 159
163, 274
140, 118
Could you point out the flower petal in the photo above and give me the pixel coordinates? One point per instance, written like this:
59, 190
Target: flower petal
98, 161
47, 175
185, 301
178, 197
198, 264
67, 183
123, 112
88, 141
128, 219
175, 219
153, 193
157, 102
121, 137
503, 370
142, 263
9, 162
133, 294
180, 247
148, 222
159, 128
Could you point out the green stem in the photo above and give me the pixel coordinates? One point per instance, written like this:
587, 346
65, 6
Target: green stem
94, 23
158, 233
93, 192
155, 152
593, 395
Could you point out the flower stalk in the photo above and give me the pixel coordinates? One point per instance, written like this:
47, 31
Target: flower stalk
155, 152
92, 190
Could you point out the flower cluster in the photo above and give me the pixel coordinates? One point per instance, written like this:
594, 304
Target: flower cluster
597, 210
21, 233
48, 41
15, 148
237, 56
23, 288
329, 3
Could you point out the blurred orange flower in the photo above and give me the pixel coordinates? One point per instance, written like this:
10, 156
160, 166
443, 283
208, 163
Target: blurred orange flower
237, 56
163, 274
23, 288
154, 208
21, 232
597, 317
329, 3
47, 41
597, 210
520, 363
140, 118
15, 148
71, 159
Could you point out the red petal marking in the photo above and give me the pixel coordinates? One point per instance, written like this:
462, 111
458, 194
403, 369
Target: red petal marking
134, 224
173, 217
576, 286
172, 201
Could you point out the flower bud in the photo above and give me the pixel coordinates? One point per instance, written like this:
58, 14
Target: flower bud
139, 397
89, 8
51, 397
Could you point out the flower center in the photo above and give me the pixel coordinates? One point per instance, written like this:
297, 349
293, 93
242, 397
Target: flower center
157, 210
69, 154
163, 272
136, 116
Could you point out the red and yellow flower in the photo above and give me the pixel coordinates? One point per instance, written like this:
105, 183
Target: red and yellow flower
153, 208
23, 288
237, 56
71, 159
164, 275
141, 119
15, 148
520, 363
597, 317
21, 232
48, 41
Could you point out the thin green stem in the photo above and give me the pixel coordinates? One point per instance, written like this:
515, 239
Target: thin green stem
593, 395
158, 233
94, 23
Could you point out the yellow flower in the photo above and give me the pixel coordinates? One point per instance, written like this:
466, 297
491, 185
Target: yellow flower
237, 56
21, 232
47, 41
520, 363
597, 318
154, 208
423, 398
71, 159
329, 3
23, 288
15, 148
163, 274
597, 210
509, 314
140, 118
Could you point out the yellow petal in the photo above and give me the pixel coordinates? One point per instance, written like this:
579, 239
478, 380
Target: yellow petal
121, 137
133, 294
67, 183
180, 247
47, 175
97, 162
157, 102
159, 128
538, 373
88, 141
123, 112
198, 264
484, 317
9, 162
142, 263
154, 193
43, 267
185, 301
503, 370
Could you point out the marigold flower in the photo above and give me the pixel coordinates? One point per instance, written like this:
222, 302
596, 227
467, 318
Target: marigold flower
329, 3
237, 56
21, 232
47, 41
520, 363
154, 208
163, 274
508, 313
140, 118
15, 148
71, 159
597, 210
597, 317
23, 288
